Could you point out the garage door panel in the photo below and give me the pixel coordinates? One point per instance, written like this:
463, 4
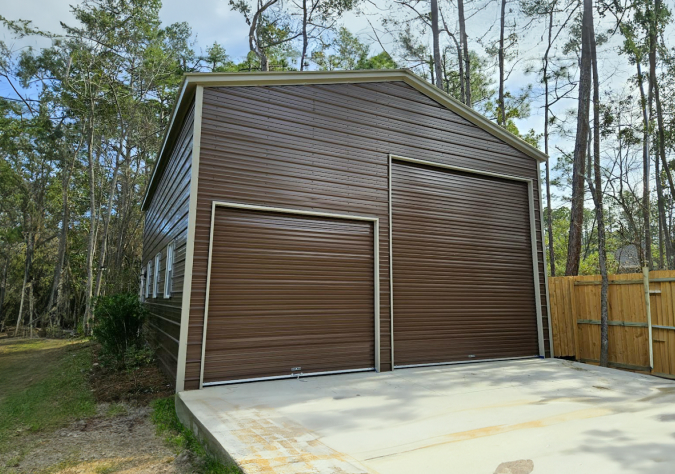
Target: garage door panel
242, 327
288, 291
287, 343
462, 267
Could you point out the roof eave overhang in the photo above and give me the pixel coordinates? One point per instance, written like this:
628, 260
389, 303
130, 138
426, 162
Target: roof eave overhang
191, 81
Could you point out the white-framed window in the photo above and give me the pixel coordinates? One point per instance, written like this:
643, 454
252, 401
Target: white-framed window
168, 273
158, 267
148, 279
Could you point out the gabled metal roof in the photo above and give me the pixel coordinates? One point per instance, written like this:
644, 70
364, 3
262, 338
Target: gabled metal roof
191, 81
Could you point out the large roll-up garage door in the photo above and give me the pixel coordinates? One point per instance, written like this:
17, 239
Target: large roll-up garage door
463, 286
288, 293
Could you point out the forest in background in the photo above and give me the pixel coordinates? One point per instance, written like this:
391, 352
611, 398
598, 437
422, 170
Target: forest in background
81, 122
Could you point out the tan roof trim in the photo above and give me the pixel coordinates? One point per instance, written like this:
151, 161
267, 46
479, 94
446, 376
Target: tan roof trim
191, 81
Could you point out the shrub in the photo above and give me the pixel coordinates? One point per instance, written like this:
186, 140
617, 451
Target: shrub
135, 357
118, 327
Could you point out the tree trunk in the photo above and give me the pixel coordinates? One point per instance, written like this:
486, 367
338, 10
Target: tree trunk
646, 162
253, 34
93, 223
661, 141
30, 243
665, 243
437, 45
63, 239
463, 39
460, 61
106, 225
501, 109
551, 253
3, 289
580, 144
599, 211
661, 147
304, 35
660, 209
31, 308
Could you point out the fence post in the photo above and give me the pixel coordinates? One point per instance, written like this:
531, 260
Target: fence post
648, 309
575, 316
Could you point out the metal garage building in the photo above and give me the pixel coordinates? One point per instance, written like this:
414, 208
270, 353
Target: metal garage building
323, 222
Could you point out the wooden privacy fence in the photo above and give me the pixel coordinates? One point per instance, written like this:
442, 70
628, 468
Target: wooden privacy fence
575, 318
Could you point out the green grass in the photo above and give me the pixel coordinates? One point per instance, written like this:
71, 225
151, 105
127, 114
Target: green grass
43, 385
165, 418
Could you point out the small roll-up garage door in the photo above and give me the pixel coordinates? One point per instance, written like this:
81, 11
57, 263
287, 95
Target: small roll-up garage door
463, 286
288, 292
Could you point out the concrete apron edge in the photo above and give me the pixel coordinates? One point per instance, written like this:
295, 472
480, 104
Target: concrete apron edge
189, 420
310, 454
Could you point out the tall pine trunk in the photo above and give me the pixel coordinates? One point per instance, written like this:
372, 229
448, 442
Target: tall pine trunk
549, 212
661, 139
646, 113
665, 242
106, 225
464, 41
437, 46
596, 191
30, 247
31, 308
305, 40
460, 60
580, 144
501, 109
93, 223
661, 154
63, 239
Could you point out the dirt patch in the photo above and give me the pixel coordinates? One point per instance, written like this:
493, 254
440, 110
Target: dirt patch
137, 386
101, 444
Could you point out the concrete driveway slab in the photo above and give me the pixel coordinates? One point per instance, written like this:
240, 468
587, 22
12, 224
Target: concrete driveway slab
541, 416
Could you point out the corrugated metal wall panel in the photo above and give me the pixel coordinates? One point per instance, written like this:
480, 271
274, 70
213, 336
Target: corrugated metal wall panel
289, 291
166, 220
462, 267
325, 147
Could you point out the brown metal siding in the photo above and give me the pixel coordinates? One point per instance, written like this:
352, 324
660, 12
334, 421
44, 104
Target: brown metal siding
462, 267
289, 291
166, 220
325, 147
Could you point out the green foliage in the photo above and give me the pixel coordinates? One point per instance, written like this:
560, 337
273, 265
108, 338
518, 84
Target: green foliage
589, 261
135, 357
167, 422
380, 61
346, 52
217, 59
113, 73
118, 327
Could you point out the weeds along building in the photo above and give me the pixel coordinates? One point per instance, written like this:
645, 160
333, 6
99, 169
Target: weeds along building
325, 222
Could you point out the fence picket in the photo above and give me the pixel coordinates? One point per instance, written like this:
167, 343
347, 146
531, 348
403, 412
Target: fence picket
578, 298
